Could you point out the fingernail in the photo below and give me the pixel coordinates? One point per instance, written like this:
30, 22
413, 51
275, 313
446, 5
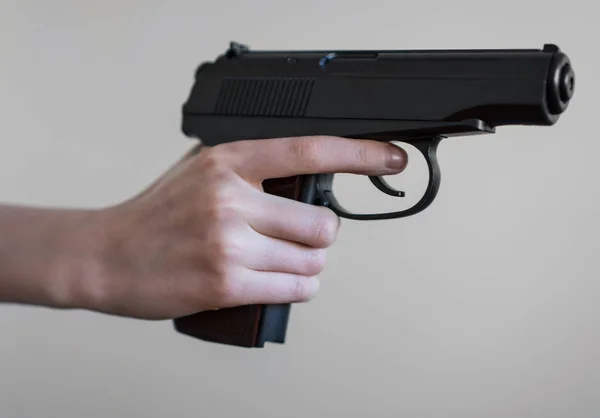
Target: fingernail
397, 158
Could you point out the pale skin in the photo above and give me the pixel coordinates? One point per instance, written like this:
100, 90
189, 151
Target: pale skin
203, 236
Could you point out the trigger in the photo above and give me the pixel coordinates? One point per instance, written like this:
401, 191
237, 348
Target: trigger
382, 185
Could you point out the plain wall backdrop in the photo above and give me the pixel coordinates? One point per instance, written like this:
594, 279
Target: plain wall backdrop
485, 305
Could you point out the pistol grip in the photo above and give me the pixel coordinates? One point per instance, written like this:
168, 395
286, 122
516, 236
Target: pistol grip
250, 325
243, 326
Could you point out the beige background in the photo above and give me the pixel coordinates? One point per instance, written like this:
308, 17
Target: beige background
486, 305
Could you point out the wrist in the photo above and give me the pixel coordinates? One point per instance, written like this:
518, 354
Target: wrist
69, 264
78, 278
50, 257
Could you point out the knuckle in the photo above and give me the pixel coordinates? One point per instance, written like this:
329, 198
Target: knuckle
221, 179
216, 155
220, 259
363, 157
300, 291
325, 228
215, 162
209, 159
316, 262
304, 289
222, 206
306, 150
225, 287
214, 258
227, 249
219, 220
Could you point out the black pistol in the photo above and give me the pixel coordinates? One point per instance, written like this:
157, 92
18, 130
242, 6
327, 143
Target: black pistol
414, 96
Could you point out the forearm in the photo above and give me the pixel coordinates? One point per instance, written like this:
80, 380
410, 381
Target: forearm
47, 255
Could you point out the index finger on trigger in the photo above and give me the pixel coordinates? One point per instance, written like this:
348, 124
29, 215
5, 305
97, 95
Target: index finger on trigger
258, 160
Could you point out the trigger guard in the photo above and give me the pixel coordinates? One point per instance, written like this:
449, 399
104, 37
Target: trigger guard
428, 148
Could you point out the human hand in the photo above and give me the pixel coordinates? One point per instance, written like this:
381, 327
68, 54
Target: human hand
205, 236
